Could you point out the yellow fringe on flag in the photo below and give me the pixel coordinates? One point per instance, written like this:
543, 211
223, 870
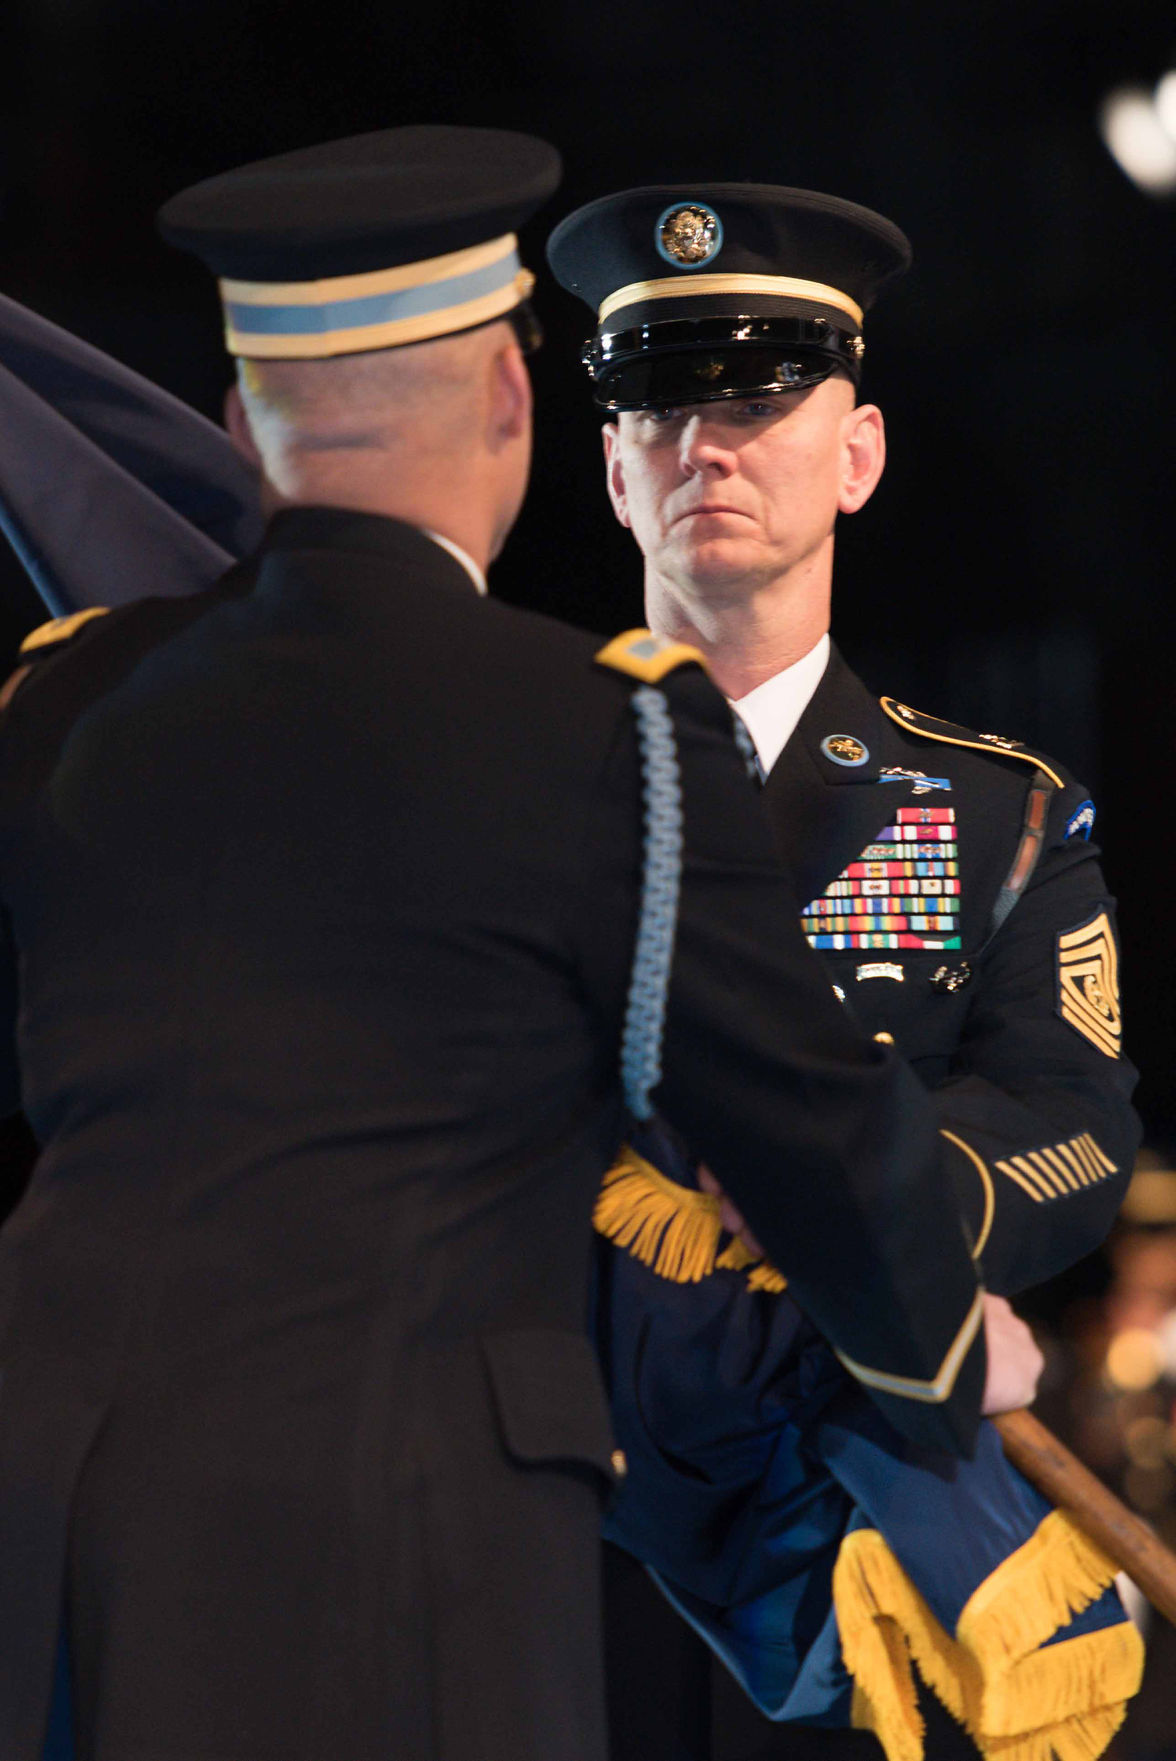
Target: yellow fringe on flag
735, 1257
1018, 1698
674, 1229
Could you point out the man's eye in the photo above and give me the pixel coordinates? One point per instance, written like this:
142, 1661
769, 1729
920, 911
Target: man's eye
660, 416
759, 409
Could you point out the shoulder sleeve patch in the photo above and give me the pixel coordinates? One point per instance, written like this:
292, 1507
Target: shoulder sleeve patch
1088, 983
1081, 822
59, 630
932, 728
645, 656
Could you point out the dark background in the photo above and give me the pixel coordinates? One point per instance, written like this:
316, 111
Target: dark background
1014, 570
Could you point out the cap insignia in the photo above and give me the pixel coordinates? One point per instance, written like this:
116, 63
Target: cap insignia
844, 749
688, 235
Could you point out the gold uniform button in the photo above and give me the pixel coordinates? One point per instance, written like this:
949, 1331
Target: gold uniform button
884, 1039
620, 1466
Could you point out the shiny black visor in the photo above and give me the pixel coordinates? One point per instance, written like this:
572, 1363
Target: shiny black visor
660, 366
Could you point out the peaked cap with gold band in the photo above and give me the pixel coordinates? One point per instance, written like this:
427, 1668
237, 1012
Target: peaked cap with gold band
370, 242
722, 290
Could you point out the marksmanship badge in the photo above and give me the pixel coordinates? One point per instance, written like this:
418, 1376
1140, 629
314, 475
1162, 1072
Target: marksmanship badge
1088, 983
688, 234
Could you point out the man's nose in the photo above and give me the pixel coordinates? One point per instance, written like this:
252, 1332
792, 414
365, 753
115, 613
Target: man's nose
700, 447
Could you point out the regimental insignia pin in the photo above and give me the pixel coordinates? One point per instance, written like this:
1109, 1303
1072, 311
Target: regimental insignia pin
1088, 983
688, 234
844, 749
950, 979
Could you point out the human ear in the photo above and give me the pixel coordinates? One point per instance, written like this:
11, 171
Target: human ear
614, 472
511, 397
863, 457
240, 432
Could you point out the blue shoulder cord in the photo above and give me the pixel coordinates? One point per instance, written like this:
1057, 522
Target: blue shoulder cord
653, 953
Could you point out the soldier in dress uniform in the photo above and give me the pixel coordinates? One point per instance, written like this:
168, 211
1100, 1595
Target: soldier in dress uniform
949, 883
320, 893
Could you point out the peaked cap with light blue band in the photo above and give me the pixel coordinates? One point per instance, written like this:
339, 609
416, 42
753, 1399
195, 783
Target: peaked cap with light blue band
718, 290
371, 242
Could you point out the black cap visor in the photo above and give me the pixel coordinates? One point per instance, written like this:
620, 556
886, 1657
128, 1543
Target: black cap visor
660, 366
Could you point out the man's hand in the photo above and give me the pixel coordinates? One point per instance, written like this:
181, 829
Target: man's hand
732, 1219
1014, 1362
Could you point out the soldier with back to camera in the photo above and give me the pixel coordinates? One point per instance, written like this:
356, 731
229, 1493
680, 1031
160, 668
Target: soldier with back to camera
320, 895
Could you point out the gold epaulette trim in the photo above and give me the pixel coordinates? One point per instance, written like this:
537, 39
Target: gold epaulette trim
59, 630
645, 656
939, 1388
1019, 1698
933, 729
674, 1230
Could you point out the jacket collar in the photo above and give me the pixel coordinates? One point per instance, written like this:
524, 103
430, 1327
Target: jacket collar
825, 812
362, 534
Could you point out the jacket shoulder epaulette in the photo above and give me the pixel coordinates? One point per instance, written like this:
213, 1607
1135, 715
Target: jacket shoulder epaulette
647, 657
931, 727
45, 640
53, 635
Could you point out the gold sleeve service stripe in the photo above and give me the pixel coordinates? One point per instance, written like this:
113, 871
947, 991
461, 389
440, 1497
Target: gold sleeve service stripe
1046, 1187
1061, 1183
1069, 1155
1025, 1185
1059, 1166
1101, 1156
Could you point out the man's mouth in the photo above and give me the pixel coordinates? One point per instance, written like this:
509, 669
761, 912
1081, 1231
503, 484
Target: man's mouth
707, 509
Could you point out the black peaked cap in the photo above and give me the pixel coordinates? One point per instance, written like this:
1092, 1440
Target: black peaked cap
767, 229
722, 290
366, 203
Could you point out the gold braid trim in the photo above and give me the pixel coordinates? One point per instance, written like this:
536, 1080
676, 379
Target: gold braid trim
673, 1229
1018, 1698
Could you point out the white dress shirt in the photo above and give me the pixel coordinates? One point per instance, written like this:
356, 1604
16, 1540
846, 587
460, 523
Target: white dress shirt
772, 710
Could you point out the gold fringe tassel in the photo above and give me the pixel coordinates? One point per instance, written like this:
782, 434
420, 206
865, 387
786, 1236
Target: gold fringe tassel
674, 1229
735, 1257
765, 1277
1019, 1699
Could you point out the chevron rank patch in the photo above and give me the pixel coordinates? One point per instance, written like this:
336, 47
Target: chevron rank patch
1088, 983
902, 892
